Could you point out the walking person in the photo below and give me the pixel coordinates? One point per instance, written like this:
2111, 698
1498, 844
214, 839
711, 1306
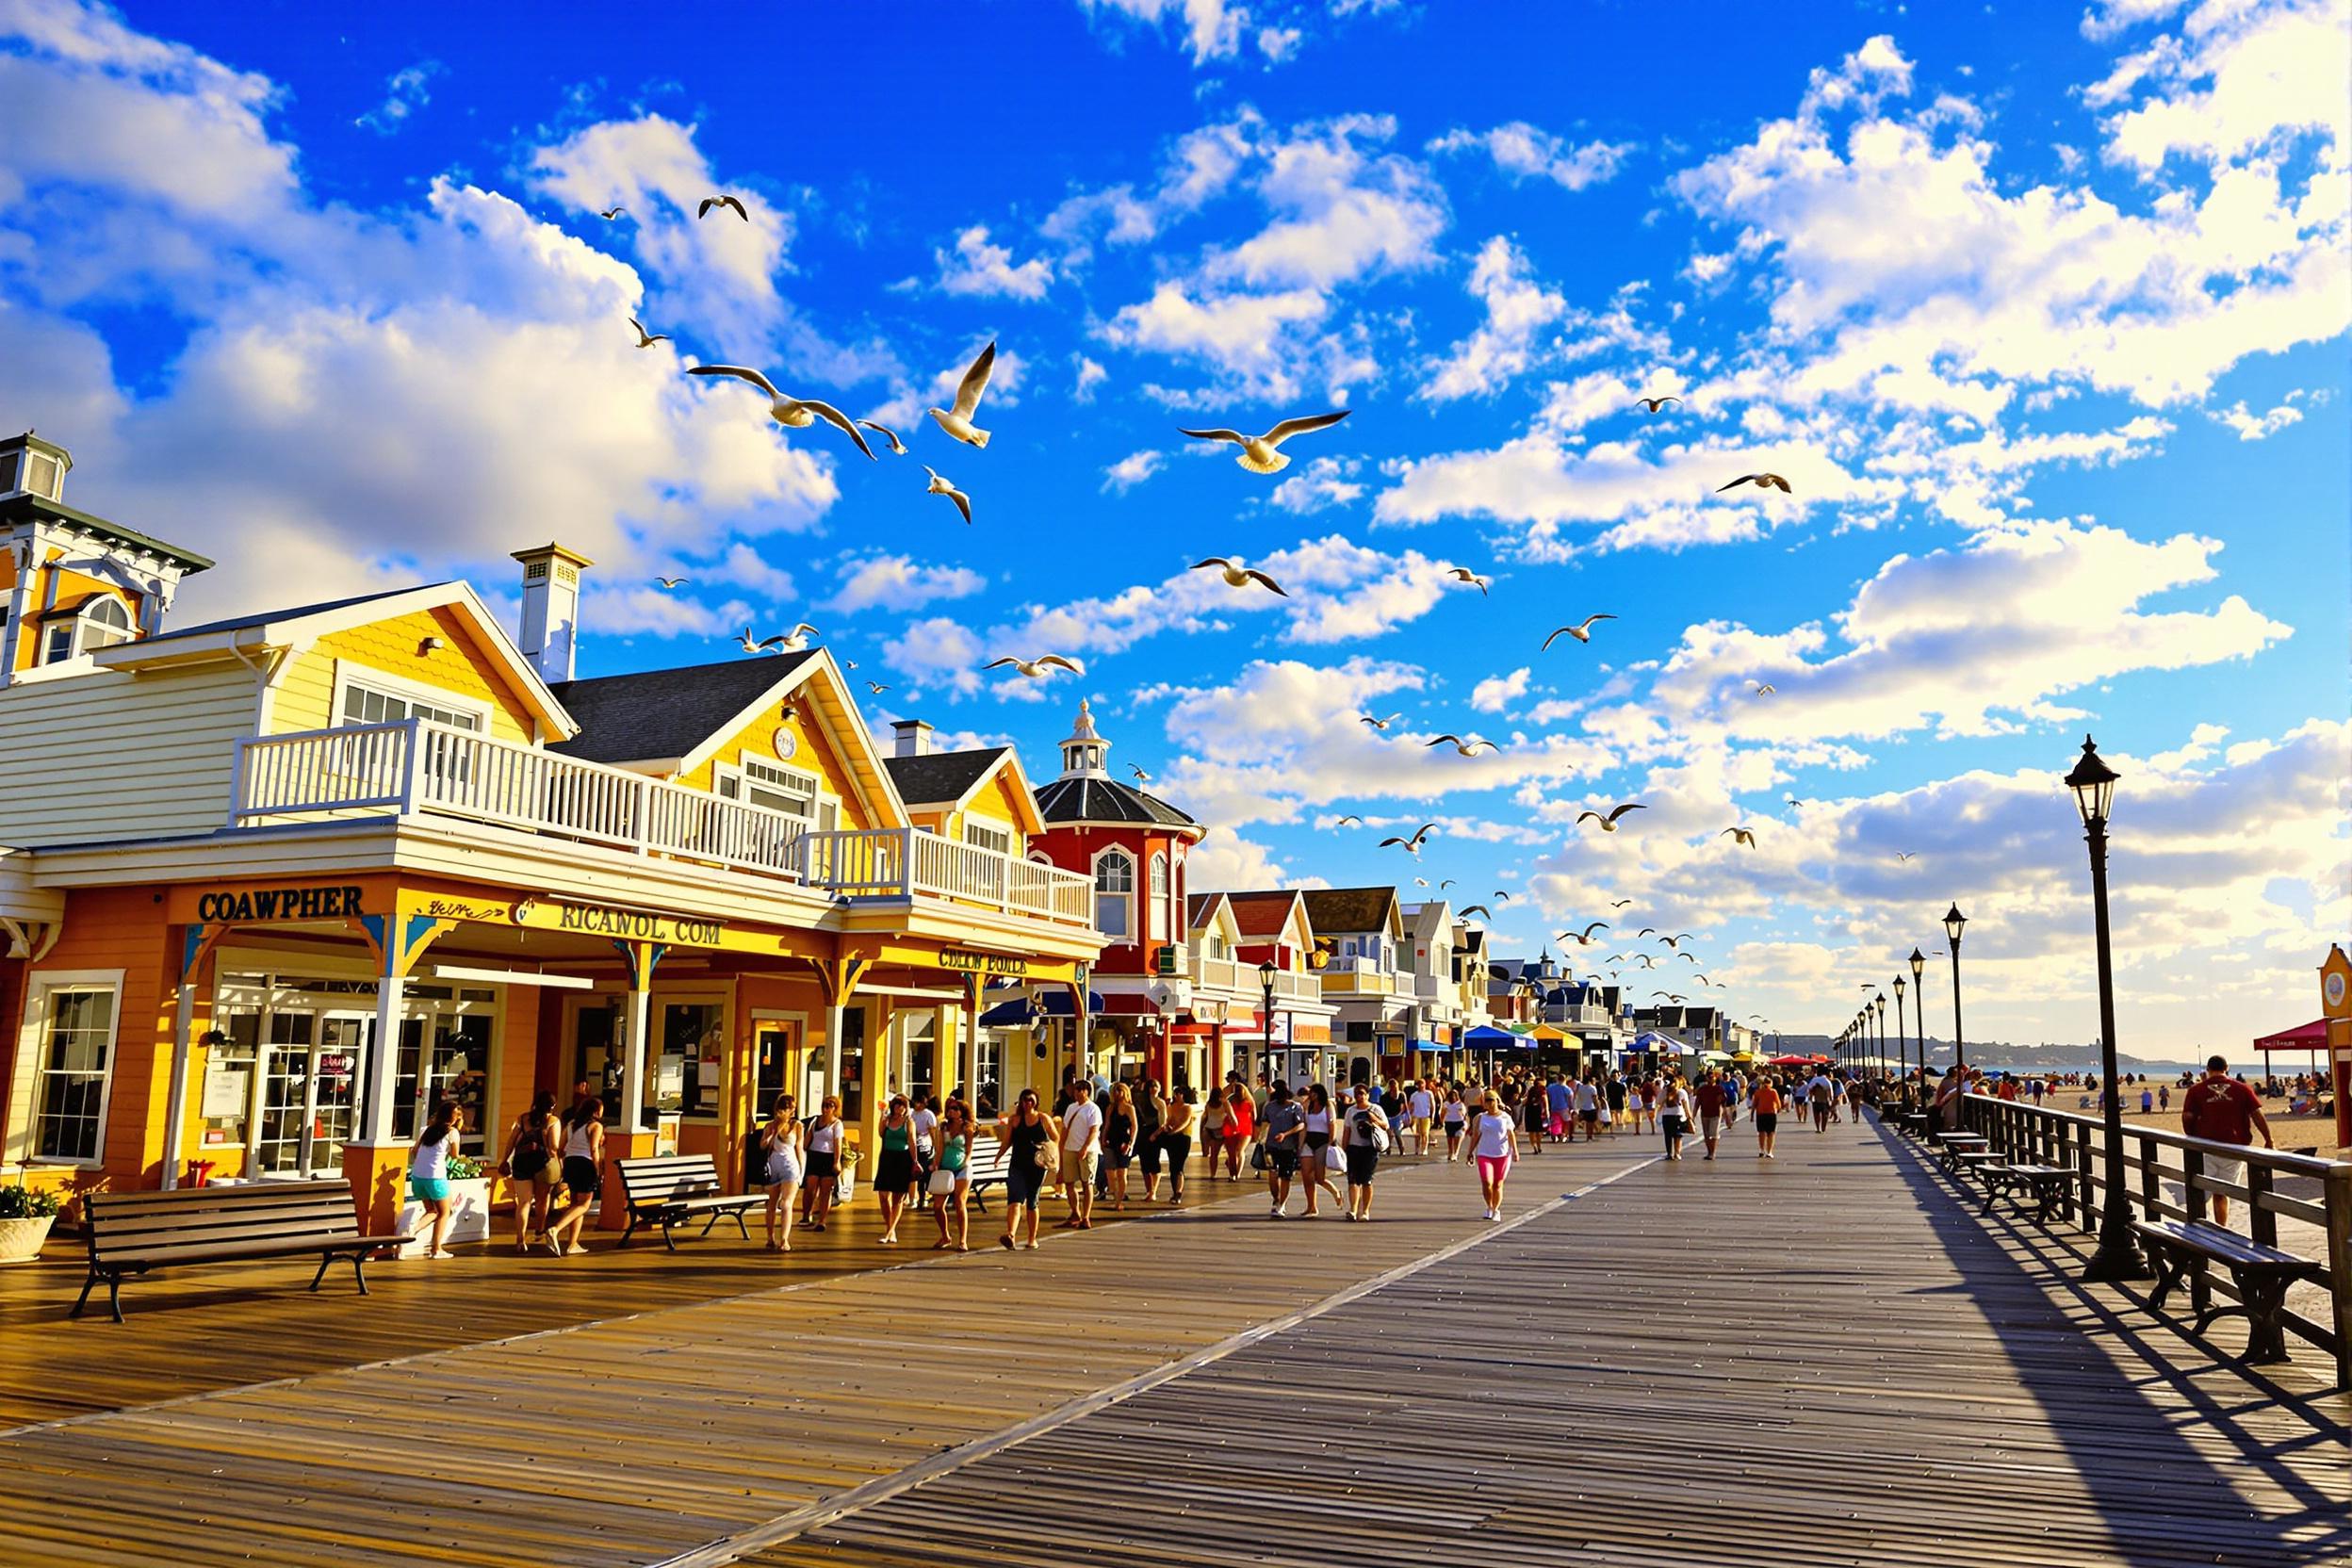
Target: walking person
1176, 1137
1765, 1102
1213, 1118
583, 1174
1241, 1119
825, 1163
1587, 1095
1673, 1116
1286, 1131
1421, 1105
1493, 1144
950, 1186
1150, 1121
1314, 1149
1081, 1157
1119, 1142
529, 1166
1030, 1132
1710, 1100
429, 1172
2219, 1109
1823, 1098
1559, 1099
1534, 1112
894, 1171
1366, 1132
1454, 1114
781, 1169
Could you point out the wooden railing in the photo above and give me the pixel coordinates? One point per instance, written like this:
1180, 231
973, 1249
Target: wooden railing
413, 765
2157, 1159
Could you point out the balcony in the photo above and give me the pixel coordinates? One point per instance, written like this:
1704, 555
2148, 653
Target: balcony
1235, 977
1350, 975
414, 767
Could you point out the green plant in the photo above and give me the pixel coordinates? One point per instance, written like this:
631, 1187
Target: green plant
463, 1168
23, 1202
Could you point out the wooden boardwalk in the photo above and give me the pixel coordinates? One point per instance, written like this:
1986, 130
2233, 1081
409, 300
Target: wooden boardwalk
1826, 1359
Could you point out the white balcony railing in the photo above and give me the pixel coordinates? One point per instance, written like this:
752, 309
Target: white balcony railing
1234, 975
415, 766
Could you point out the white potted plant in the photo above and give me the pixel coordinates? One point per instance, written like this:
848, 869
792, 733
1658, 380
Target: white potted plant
25, 1216
469, 1208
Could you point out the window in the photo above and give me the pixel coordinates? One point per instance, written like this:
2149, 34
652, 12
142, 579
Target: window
1113, 893
40, 474
101, 622
75, 1050
373, 704
1157, 916
759, 782
981, 836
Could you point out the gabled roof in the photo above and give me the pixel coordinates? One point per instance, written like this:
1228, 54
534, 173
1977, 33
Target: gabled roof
947, 780
663, 716
1200, 908
1266, 912
1430, 918
1337, 909
304, 624
1076, 799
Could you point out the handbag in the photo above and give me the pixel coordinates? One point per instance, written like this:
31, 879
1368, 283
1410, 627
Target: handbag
1043, 1155
942, 1185
1257, 1156
1334, 1158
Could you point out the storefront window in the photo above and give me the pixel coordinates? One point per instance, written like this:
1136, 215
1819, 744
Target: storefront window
991, 1074
853, 1065
685, 1060
77, 1051
921, 1037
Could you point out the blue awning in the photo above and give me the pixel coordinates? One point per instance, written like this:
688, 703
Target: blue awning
1486, 1033
1013, 1013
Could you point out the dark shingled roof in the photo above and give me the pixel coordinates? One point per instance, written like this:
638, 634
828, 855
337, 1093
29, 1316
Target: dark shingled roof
1336, 909
1086, 799
663, 713
940, 775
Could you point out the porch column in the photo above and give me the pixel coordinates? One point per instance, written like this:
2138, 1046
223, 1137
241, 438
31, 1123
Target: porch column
636, 1025
970, 1024
192, 947
384, 1061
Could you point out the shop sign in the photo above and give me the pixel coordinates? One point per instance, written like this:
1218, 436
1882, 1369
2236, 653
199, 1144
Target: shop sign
224, 906
968, 962
628, 924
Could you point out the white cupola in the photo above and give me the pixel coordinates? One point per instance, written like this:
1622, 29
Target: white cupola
1082, 753
551, 628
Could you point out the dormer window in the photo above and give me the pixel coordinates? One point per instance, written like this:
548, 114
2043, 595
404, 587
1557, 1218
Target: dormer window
101, 623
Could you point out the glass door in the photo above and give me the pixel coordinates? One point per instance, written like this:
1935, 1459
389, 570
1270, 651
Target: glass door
311, 1072
344, 1042
780, 1066
284, 1110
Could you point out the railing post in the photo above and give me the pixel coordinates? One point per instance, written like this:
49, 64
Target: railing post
640, 814
2192, 1170
412, 771
2151, 1177
2336, 1194
2079, 1136
2261, 1222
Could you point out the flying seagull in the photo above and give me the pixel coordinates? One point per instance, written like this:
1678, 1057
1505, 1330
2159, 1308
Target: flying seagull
941, 487
762, 645
1257, 451
1647, 961
1609, 823
709, 202
1380, 723
1584, 936
1413, 845
1581, 633
1420, 881
1676, 940
1350, 817
1906, 855
1036, 669
792, 412
1652, 405
611, 213
1794, 801
1619, 903
1744, 837
1762, 481
1237, 577
1464, 574
667, 582
798, 638
1702, 979
1477, 910
1141, 777
1465, 748
1499, 896
1447, 883
887, 434
1766, 690
1645, 931
647, 339
956, 421
876, 687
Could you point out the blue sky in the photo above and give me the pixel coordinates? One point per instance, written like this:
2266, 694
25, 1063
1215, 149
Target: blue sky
2041, 312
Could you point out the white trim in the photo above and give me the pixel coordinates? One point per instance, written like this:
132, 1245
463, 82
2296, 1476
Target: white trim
350, 672
31, 1044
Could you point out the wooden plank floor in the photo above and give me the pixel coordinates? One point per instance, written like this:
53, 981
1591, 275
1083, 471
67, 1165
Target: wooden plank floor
1823, 1360
1826, 1359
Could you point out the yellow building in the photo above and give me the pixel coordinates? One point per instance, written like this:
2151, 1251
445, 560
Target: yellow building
273, 887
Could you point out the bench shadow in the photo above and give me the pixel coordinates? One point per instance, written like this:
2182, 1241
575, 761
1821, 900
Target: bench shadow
2130, 1452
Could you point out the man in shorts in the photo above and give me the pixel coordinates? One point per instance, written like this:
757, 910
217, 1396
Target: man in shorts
2219, 1109
1081, 1156
1709, 1095
1421, 1105
1823, 1097
1588, 1109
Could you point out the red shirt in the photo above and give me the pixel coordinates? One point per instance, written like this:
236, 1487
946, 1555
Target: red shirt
2221, 1109
1710, 1099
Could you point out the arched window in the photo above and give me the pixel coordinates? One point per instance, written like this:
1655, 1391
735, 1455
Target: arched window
1115, 893
1158, 917
101, 623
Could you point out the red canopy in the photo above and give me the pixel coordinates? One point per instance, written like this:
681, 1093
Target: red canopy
2306, 1036
1792, 1061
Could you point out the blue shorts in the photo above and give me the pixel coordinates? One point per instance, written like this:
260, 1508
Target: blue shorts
1021, 1181
428, 1189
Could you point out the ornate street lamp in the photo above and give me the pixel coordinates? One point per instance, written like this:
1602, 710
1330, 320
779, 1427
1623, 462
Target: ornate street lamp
2117, 1256
1878, 1004
1902, 1046
1954, 922
1919, 1011
1266, 1027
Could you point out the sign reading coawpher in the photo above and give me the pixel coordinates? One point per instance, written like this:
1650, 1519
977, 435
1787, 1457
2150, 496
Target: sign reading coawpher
278, 904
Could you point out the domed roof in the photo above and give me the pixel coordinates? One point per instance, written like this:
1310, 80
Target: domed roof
1086, 795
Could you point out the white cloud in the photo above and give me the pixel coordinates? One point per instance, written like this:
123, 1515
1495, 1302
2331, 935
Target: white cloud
1524, 152
2254, 427
896, 582
1323, 483
1212, 29
980, 267
1496, 694
1224, 861
406, 92
1249, 337
1131, 470
1516, 310
1090, 376
1340, 212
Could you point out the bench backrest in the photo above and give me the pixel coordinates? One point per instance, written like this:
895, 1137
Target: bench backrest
667, 1178
198, 1217
992, 1157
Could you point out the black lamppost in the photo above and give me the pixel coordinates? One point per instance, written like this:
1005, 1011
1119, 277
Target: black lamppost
1902, 1046
1954, 922
2117, 1256
1266, 1027
1919, 1011
1878, 1069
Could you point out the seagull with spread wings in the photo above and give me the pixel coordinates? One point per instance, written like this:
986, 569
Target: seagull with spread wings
1583, 937
1413, 845
1464, 574
609, 214
1499, 896
1380, 723
1762, 481
760, 645
1744, 837
799, 637
1675, 941
1903, 856
1582, 633
1462, 747
1766, 690
956, 421
1257, 451
1609, 823
1651, 405
721, 201
1036, 669
887, 434
1240, 576
876, 687
942, 487
1350, 817
647, 339
666, 583
792, 412
1620, 903
1477, 910
1141, 777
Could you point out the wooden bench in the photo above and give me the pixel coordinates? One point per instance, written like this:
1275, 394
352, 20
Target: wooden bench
1954, 1147
137, 1232
990, 1159
2182, 1249
2044, 1184
669, 1189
